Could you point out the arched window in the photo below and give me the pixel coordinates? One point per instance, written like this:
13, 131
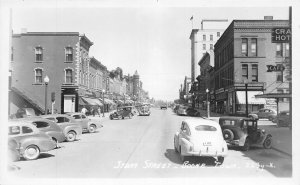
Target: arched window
69, 54
38, 75
38, 54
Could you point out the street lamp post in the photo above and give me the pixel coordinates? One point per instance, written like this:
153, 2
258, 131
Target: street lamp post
46, 80
207, 103
124, 98
103, 91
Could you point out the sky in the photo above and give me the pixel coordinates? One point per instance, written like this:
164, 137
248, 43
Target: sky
154, 40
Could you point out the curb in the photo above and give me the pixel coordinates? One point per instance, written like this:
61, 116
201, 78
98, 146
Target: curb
281, 151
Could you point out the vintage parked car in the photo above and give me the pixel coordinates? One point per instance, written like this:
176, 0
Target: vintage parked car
13, 150
243, 132
70, 128
192, 112
122, 112
86, 123
283, 119
182, 110
31, 140
49, 127
263, 114
164, 106
200, 137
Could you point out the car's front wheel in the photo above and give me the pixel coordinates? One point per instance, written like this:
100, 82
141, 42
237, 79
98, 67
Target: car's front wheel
268, 143
71, 136
31, 152
92, 128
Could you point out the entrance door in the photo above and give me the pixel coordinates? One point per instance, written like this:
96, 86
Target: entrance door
69, 103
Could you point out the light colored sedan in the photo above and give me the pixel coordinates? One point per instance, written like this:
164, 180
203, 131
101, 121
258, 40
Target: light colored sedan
86, 123
70, 128
31, 141
200, 137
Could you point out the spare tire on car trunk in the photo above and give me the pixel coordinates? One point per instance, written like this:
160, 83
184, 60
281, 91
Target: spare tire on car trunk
228, 134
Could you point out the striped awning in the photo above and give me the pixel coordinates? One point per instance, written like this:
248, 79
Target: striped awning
241, 97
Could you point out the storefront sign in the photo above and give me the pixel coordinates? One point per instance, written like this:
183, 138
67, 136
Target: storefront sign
278, 67
281, 35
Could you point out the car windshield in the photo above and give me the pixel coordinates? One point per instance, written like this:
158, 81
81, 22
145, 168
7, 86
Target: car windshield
205, 128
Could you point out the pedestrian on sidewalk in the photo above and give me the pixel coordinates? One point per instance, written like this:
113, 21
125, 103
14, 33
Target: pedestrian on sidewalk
84, 110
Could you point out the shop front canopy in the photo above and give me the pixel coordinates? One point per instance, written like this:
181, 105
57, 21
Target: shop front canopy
241, 97
92, 101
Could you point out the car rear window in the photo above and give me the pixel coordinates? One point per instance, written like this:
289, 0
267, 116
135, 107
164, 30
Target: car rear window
14, 130
205, 128
40, 124
76, 117
229, 122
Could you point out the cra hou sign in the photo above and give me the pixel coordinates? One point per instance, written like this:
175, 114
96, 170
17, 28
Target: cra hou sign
278, 67
281, 35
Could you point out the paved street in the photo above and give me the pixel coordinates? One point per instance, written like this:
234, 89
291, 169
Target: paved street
143, 147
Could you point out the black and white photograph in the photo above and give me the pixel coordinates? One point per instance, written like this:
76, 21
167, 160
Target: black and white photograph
151, 91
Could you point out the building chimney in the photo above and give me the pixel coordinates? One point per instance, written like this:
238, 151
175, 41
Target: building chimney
268, 17
23, 30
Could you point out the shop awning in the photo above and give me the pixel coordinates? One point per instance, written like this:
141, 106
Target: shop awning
241, 97
274, 95
107, 101
92, 101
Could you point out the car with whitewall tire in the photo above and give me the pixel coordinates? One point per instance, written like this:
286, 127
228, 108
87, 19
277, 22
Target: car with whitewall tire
87, 124
71, 129
31, 141
201, 138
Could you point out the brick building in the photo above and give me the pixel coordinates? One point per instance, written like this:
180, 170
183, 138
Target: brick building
242, 56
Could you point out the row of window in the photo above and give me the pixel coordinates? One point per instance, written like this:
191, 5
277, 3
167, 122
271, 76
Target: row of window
223, 56
211, 46
39, 76
280, 51
95, 81
211, 37
225, 77
253, 47
39, 53
254, 74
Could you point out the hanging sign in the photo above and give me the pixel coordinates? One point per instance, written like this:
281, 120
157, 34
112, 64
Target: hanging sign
281, 35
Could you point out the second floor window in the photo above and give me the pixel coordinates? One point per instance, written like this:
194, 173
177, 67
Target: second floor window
244, 47
254, 47
38, 76
204, 46
245, 71
218, 34
38, 54
69, 54
279, 49
204, 37
254, 73
211, 37
279, 76
287, 50
69, 76
211, 46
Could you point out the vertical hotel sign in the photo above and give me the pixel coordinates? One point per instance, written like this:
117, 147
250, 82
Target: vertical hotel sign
281, 35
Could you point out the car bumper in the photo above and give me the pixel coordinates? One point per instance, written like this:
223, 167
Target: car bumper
207, 154
235, 143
